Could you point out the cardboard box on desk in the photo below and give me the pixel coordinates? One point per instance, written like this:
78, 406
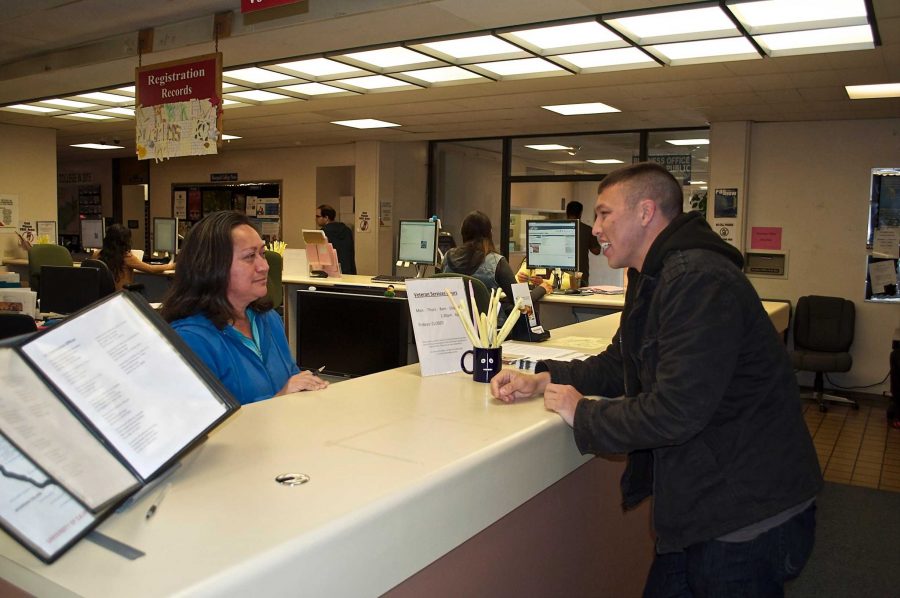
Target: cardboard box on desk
18, 301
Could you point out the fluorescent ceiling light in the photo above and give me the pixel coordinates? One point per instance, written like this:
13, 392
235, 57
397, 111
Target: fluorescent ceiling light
817, 40
227, 102
87, 115
697, 183
559, 38
33, 108
106, 97
546, 147
68, 103
129, 89
566, 162
688, 141
315, 89
444, 74
120, 110
364, 123
258, 95
675, 25
97, 146
375, 82
230, 137
319, 67
482, 46
772, 16
524, 66
389, 57
585, 108
605, 161
608, 59
256, 75
731, 48
868, 92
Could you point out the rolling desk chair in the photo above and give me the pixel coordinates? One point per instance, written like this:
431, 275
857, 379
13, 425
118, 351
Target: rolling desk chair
482, 294
67, 289
274, 285
45, 255
15, 324
823, 333
107, 284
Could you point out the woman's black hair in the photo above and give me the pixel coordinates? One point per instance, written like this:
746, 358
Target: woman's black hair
116, 244
204, 266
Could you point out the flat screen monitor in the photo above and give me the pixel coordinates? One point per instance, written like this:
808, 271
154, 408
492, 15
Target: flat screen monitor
92, 231
351, 334
165, 235
67, 289
552, 244
418, 242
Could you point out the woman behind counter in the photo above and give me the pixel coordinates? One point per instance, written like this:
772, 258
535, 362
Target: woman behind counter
116, 254
218, 305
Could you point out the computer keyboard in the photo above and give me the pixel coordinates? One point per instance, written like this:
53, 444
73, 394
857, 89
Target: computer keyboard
388, 278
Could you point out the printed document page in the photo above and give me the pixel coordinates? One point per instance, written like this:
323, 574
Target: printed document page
127, 379
38, 422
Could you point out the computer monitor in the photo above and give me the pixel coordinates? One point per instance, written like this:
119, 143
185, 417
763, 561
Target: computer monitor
552, 244
92, 231
165, 235
418, 242
67, 289
376, 327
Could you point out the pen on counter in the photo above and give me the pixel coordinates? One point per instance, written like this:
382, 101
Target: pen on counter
157, 501
318, 371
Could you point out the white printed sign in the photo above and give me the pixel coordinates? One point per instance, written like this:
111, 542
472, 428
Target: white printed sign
440, 337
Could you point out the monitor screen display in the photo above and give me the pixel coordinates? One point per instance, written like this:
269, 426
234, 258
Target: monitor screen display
351, 334
92, 231
552, 244
418, 242
165, 235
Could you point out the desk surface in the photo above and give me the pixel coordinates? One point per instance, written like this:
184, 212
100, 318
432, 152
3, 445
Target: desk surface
403, 469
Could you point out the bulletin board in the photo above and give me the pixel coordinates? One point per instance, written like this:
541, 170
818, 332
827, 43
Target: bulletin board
883, 236
261, 201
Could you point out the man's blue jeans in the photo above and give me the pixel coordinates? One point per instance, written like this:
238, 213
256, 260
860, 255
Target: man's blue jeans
755, 568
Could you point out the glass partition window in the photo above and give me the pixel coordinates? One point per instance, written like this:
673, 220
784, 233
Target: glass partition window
686, 155
566, 155
883, 236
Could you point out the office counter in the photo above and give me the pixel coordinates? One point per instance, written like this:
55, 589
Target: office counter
423, 482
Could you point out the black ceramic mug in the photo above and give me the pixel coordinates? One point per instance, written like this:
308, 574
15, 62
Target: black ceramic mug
485, 363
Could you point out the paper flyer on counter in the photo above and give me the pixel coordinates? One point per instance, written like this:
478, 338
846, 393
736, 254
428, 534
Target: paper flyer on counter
440, 337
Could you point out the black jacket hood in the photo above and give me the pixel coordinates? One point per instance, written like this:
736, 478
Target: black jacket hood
687, 231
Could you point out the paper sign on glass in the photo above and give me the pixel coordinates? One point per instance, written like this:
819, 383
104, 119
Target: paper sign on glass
440, 337
887, 242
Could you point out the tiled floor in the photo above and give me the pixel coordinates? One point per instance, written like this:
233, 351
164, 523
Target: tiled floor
856, 447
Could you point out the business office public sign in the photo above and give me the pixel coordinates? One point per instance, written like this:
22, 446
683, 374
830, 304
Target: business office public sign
178, 108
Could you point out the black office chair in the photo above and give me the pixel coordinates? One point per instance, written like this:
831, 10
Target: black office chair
275, 286
15, 324
823, 333
107, 284
482, 294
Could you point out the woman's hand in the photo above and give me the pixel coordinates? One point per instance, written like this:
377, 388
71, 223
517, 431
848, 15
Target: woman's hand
303, 381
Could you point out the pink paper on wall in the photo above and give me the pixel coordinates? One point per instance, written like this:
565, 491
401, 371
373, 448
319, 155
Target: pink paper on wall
765, 237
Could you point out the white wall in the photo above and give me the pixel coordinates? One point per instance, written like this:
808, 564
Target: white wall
28, 171
812, 179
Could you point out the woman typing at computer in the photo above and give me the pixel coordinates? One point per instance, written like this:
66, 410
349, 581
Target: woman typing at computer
116, 254
218, 305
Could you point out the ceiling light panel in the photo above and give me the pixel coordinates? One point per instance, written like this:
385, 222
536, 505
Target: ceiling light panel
710, 50
109, 98
605, 161
256, 76
32, 109
320, 69
700, 141
97, 146
119, 111
869, 92
444, 75
574, 37
318, 89
365, 123
389, 59
675, 25
85, 116
548, 147
777, 16
68, 103
583, 108
467, 50
376, 83
817, 41
524, 67
258, 95
606, 60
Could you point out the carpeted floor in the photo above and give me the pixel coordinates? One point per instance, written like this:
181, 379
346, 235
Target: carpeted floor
857, 545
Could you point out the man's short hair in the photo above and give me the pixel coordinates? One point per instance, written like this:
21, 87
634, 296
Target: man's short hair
647, 180
327, 211
574, 209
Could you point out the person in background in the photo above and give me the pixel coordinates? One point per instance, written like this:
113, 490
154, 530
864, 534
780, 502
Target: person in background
587, 242
539, 277
339, 235
116, 254
218, 305
477, 257
710, 413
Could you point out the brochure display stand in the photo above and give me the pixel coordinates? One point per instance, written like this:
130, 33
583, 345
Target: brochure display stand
91, 410
320, 254
529, 328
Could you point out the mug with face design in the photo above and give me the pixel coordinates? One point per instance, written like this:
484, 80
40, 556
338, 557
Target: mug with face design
485, 363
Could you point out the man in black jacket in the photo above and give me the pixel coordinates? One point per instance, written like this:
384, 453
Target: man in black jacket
339, 235
710, 414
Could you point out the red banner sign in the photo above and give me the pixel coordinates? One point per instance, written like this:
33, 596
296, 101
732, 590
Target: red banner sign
196, 78
254, 5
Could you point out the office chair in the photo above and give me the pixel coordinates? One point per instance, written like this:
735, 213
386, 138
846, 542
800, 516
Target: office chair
45, 255
273, 283
823, 333
107, 284
16, 324
482, 294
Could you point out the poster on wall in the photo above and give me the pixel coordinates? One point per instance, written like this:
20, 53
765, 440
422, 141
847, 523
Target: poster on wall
726, 203
725, 229
386, 213
178, 108
9, 211
364, 222
46, 232
179, 204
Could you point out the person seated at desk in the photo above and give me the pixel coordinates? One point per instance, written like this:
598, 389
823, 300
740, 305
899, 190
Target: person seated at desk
477, 257
546, 280
116, 254
218, 305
